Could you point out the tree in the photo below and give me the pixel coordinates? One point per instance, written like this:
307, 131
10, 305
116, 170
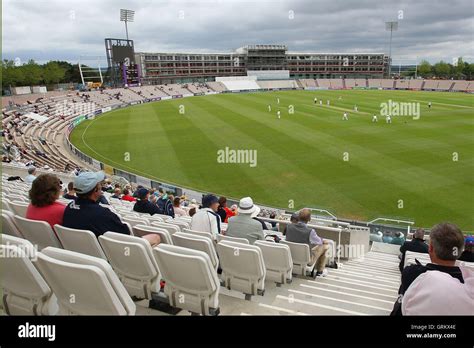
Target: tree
53, 73
442, 69
424, 69
33, 73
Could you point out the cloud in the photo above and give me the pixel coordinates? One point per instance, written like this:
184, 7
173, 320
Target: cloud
58, 29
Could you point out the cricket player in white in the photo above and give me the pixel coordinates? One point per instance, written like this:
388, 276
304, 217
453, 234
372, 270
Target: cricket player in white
388, 119
374, 118
269, 108
278, 100
278, 114
429, 105
320, 102
315, 100
344, 117
327, 102
356, 108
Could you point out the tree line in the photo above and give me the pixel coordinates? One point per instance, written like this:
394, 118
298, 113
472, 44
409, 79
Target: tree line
460, 70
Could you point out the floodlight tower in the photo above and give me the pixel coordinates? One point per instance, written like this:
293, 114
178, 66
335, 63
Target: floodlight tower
126, 16
392, 26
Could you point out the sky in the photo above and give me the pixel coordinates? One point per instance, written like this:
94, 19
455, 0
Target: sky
46, 30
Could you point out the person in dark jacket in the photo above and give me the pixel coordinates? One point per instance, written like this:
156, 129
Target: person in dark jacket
143, 205
468, 253
165, 204
417, 244
87, 214
446, 243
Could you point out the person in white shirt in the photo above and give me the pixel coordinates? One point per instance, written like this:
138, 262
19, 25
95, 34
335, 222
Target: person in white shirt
356, 109
206, 219
178, 211
388, 119
344, 117
278, 114
278, 100
31, 175
269, 108
320, 102
374, 118
315, 100
327, 102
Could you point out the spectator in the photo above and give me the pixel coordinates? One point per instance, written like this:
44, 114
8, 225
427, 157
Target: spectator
446, 244
399, 238
206, 219
255, 217
143, 205
126, 196
117, 193
44, 192
300, 233
242, 225
417, 244
178, 211
86, 214
468, 253
192, 211
387, 237
165, 204
294, 218
31, 175
224, 212
71, 193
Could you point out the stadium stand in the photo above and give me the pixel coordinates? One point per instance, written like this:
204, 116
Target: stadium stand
278, 84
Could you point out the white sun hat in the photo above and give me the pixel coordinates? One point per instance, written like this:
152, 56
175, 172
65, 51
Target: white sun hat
246, 206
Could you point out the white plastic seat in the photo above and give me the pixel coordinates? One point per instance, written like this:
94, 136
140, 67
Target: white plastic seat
81, 241
17, 197
132, 259
37, 232
142, 230
243, 267
196, 242
25, 291
411, 256
278, 261
22, 243
19, 208
232, 239
84, 285
162, 217
169, 227
133, 221
191, 282
6, 205
8, 224
301, 256
199, 233
181, 224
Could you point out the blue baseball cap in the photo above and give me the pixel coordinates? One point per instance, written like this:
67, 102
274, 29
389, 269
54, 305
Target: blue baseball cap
86, 181
469, 240
208, 200
141, 193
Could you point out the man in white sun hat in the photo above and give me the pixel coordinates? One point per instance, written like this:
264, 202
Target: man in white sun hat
242, 225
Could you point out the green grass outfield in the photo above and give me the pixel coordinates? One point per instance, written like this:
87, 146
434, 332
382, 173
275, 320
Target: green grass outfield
404, 169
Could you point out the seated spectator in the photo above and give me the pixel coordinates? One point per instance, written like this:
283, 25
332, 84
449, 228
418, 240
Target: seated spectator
468, 253
206, 219
398, 239
224, 212
44, 192
417, 244
255, 217
300, 233
387, 237
438, 293
86, 214
127, 197
242, 225
178, 211
294, 218
165, 204
71, 193
31, 175
446, 244
376, 237
117, 194
192, 211
143, 205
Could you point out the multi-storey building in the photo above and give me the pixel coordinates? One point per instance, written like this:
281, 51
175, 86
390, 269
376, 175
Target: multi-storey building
160, 68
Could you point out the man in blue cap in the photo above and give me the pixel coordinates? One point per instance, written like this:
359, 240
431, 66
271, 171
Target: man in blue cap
143, 205
468, 253
86, 214
206, 219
